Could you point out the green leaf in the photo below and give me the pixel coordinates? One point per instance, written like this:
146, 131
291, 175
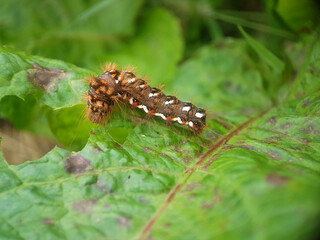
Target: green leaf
12, 76
46, 95
96, 19
274, 62
218, 79
298, 14
252, 174
75, 31
61, 124
153, 54
308, 77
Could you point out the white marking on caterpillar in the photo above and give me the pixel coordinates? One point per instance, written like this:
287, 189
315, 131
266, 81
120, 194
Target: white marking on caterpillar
131, 80
144, 108
153, 94
119, 95
125, 96
190, 124
186, 109
131, 101
169, 102
177, 119
199, 115
161, 115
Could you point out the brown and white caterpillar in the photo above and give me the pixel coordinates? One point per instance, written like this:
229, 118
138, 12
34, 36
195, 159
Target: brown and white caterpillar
114, 85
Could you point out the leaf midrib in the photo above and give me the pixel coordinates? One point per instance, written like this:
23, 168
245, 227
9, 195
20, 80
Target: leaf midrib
188, 173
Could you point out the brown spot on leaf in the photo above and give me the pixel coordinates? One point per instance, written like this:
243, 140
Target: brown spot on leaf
312, 69
248, 147
84, 206
123, 221
186, 155
76, 164
167, 224
191, 196
47, 221
229, 146
274, 155
304, 140
143, 200
276, 180
177, 149
146, 149
306, 103
286, 126
45, 78
308, 129
272, 120
101, 186
191, 186
296, 148
275, 138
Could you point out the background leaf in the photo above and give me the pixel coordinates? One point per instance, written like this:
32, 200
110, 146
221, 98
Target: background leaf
275, 63
262, 167
153, 54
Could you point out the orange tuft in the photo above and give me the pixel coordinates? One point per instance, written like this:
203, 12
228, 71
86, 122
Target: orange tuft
86, 97
109, 67
129, 69
161, 87
90, 79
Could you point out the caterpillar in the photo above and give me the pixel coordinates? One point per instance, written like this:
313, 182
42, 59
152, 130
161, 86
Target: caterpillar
114, 85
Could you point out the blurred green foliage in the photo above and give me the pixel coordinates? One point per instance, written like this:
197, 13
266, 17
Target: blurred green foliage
90, 32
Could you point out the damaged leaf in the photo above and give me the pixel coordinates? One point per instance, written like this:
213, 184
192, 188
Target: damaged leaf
252, 174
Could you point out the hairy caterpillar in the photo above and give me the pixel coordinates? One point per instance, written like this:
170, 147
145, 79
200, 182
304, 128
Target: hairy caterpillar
114, 85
